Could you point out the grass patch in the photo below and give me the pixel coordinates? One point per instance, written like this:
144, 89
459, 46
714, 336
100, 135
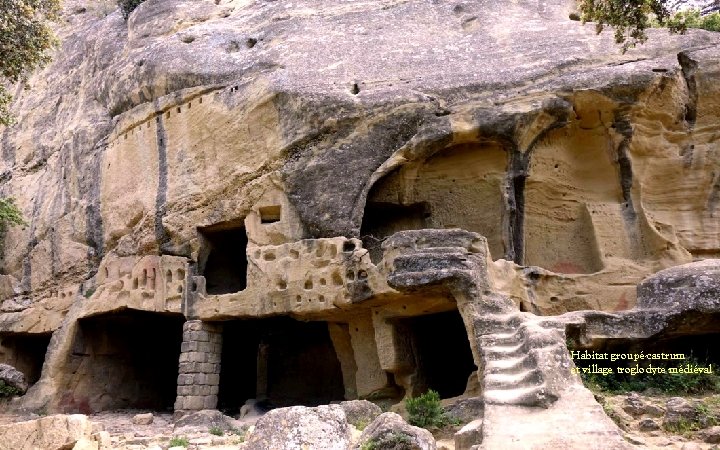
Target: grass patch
216, 431
179, 441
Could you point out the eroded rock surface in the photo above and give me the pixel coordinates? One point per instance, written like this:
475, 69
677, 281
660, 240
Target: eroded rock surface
324, 428
390, 431
58, 432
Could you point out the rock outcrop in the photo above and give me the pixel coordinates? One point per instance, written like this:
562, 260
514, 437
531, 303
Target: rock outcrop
58, 432
389, 431
322, 428
13, 378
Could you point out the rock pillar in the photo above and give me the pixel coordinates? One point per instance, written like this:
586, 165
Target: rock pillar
199, 370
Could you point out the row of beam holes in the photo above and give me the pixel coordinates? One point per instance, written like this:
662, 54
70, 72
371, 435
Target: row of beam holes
66, 294
157, 118
180, 277
270, 254
298, 299
107, 278
143, 282
361, 275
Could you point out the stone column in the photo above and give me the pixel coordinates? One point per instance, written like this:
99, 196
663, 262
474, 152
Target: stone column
199, 370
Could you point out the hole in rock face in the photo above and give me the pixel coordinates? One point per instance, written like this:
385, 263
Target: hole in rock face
124, 360
270, 214
25, 352
348, 246
354, 89
250, 42
280, 362
440, 346
225, 259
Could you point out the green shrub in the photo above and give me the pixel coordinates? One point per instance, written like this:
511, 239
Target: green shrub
216, 431
10, 214
395, 440
127, 6
8, 391
179, 441
425, 411
692, 19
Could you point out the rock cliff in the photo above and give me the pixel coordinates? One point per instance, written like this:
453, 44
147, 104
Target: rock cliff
242, 164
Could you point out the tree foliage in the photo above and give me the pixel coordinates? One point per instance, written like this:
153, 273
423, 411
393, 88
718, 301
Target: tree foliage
631, 18
693, 19
10, 214
25, 39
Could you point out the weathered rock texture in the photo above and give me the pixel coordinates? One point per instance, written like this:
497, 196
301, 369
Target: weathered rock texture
58, 432
242, 164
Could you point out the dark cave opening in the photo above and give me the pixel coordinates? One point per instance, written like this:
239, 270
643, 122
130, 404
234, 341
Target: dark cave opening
381, 220
280, 362
441, 348
25, 352
127, 359
225, 263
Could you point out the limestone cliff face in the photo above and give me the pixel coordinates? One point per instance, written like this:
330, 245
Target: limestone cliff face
343, 122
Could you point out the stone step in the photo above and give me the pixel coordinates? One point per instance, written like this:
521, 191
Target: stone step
509, 365
525, 396
525, 378
500, 339
500, 323
503, 351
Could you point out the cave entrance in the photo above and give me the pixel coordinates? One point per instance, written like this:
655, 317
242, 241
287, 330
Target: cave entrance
381, 220
441, 349
280, 362
223, 260
25, 352
127, 359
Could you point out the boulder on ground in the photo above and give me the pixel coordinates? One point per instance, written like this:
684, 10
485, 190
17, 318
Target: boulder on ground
711, 435
142, 419
322, 428
678, 410
360, 413
58, 432
13, 377
390, 432
202, 421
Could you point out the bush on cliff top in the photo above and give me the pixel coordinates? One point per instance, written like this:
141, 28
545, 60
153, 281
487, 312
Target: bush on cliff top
127, 6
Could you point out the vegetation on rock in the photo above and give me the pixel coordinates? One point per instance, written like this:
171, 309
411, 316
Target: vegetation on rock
425, 411
127, 6
631, 18
25, 39
8, 391
10, 214
395, 440
179, 441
